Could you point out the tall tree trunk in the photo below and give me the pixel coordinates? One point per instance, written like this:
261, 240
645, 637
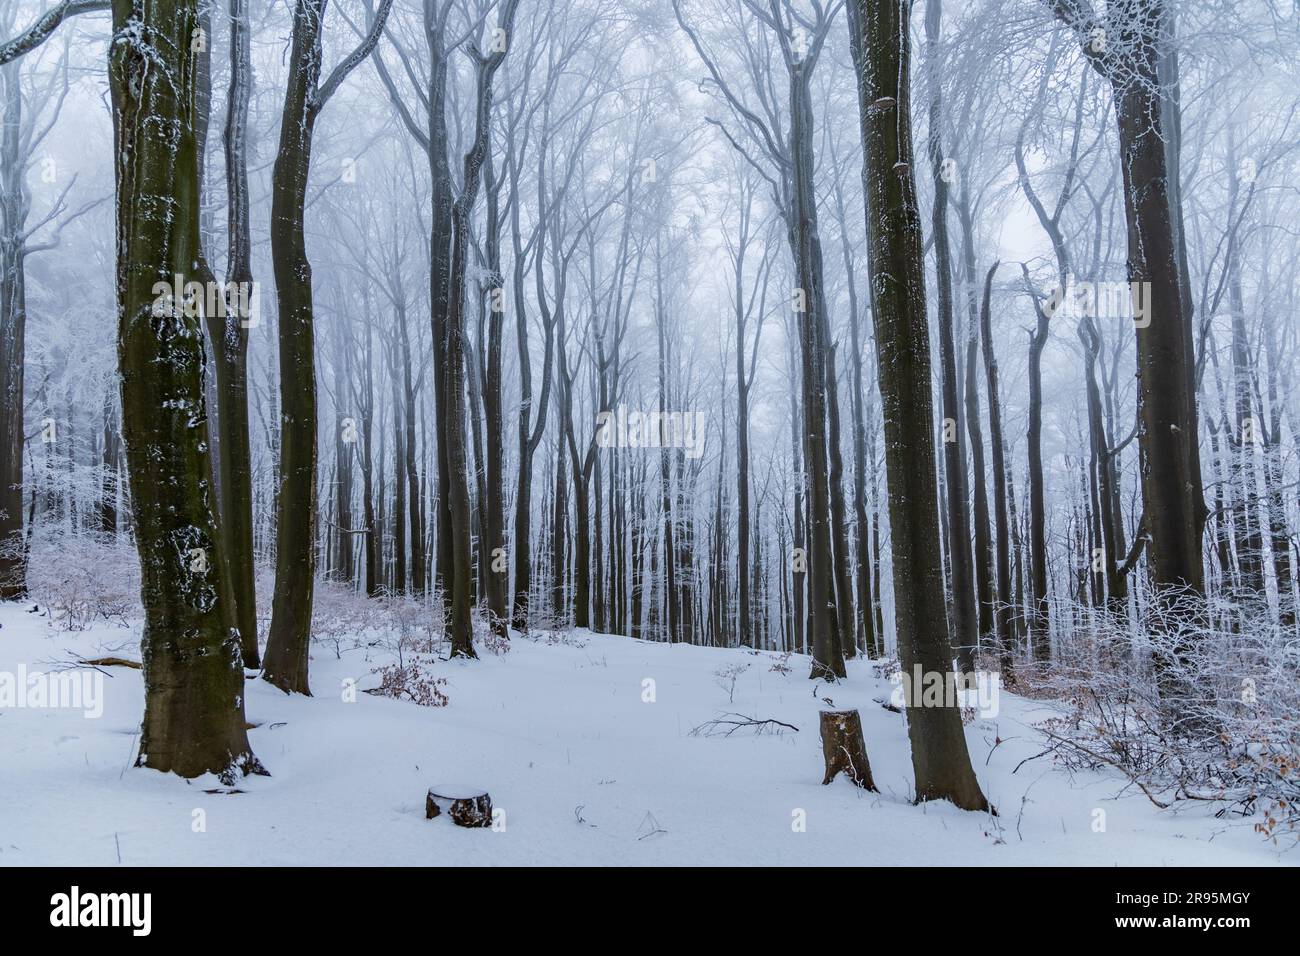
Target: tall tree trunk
344, 565
984, 574
400, 486
441, 226
1279, 527
866, 621
1171, 481
285, 664
1039, 626
530, 432
813, 326
879, 43
744, 608
410, 469
1246, 431
109, 466
494, 544
228, 337
839, 517
14, 206
460, 553
1102, 475
1139, 63
559, 537
372, 521
671, 596
798, 541
194, 685
965, 623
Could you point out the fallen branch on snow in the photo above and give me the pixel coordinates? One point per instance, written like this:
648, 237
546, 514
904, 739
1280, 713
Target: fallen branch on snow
729, 723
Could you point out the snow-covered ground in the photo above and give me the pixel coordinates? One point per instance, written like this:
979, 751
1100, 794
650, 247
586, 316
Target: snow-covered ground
586, 769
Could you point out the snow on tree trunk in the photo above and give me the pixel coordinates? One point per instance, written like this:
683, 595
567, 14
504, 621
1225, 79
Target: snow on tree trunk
194, 685
843, 748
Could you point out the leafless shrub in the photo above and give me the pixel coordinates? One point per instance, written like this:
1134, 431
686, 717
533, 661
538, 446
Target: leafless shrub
414, 633
726, 677
413, 681
1190, 711
489, 634
548, 628
344, 618
885, 668
83, 578
782, 664
341, 618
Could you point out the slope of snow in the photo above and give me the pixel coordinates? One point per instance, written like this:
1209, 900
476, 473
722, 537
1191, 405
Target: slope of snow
586, 771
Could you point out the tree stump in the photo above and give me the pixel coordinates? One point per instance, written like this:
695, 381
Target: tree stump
843, 749
467, 807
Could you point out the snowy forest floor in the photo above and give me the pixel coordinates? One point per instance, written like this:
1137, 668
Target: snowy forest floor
586, 771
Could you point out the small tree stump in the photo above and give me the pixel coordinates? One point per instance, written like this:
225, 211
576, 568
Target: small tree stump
466, 807
843, 749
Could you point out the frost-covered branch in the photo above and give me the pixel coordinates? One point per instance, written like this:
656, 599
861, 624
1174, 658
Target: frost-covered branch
42, 29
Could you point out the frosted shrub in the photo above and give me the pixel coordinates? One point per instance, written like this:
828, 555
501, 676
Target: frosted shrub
486, 636
781, 665
342, 618
414, 634
726, 677
546, 626
420, 626
1226, 728
83, 578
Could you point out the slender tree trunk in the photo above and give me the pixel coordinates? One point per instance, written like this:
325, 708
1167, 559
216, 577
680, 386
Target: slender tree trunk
410, 469
14, 205
111, 453
744, 610
671, 596
559, 538
1040, 634
984, 573
285, 664
530, 432
823, 619
400, 486
494, 532
228, 334
866, 620
839, 519
441, 228
965, 623
798, 559
879, 44
344, 569
372, 521
1141, 67
460, 554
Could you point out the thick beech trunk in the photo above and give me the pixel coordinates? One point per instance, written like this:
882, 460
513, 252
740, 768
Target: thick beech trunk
194, 686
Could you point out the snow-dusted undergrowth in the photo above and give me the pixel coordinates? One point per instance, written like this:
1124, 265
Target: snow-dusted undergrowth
584, 741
